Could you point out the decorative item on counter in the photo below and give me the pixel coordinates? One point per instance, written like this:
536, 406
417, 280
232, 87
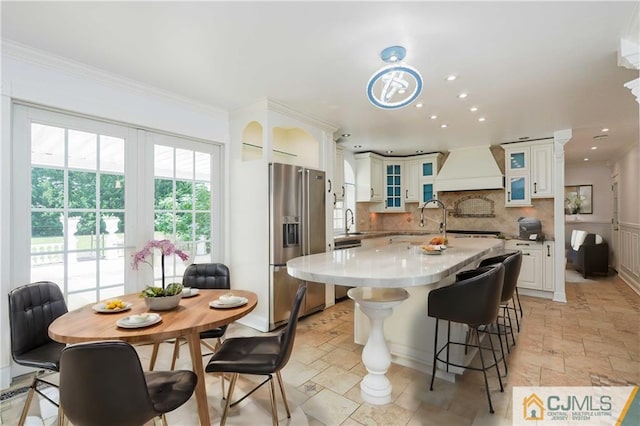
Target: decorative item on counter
168, 297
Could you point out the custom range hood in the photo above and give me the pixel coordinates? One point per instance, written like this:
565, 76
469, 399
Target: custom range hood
469, 169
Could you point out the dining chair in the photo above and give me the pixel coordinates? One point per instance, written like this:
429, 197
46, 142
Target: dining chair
103, 384
258, 355
473, 300
32, 308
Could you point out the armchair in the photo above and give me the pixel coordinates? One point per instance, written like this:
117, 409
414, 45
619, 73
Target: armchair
588, 253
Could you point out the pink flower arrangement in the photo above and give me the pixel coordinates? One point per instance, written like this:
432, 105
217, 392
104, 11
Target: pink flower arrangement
166, 248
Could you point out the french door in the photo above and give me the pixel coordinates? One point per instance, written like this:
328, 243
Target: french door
87, 193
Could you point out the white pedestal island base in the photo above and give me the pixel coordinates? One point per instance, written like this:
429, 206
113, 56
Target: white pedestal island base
377, 304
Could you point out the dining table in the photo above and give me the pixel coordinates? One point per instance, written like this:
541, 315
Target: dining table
192, 316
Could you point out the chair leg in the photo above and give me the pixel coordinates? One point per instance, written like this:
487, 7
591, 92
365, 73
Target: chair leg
515, 312
61, 418
495, 361
232, 385
176, 353
154, 356
164, 419
508, 315
25, 410
504, 359
218, 343
435, 351
284, 397
484, 372
274, 406
519, 304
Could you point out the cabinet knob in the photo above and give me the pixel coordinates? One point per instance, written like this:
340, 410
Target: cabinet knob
329, 185
548, 251
343, 190
406, 193
371, 192
535, 187
509, 196
335, 200
526, 254
522, 244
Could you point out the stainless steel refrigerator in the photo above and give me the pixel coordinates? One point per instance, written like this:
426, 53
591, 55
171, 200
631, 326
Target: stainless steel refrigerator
297, 215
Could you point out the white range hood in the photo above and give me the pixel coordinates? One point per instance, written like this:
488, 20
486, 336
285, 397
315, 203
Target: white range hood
470, 169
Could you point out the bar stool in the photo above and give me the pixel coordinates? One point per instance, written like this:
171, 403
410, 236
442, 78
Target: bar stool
475, 301
512, 263
511, 274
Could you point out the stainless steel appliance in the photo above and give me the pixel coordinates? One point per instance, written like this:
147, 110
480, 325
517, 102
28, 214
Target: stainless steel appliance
529, 228
297, 215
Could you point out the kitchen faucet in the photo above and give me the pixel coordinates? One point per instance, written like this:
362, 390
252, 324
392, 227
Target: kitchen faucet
346, 220
443, 224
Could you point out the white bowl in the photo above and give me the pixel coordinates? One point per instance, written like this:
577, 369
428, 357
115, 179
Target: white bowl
186, 291
229, 299
137, 319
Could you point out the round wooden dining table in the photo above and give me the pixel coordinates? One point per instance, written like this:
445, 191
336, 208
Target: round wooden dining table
192, 316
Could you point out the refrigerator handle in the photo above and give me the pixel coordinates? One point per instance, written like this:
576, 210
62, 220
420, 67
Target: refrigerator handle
304, 211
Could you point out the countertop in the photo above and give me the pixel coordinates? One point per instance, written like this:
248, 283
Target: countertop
398, 264
450, 234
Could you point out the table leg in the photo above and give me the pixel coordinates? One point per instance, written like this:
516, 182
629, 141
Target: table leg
201, 390
377, 304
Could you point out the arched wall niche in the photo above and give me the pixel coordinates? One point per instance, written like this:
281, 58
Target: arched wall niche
295, 146
252, 141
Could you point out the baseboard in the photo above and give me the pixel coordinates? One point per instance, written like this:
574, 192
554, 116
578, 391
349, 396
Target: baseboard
535, 293
630, 280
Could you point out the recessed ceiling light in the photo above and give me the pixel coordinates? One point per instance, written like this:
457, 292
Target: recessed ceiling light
346, 135
463, 95
594, 147
357, 146
586, 159
419, 105
481, 119
433, 117
419, 151
473, 109
451, 77
443, 126
605, 129
389, 151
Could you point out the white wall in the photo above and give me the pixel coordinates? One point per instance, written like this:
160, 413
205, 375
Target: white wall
598, 175
38, 78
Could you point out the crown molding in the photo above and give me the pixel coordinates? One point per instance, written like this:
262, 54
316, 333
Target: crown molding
278, 106
30, 55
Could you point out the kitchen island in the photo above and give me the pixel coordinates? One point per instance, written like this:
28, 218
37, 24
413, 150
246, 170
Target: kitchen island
402, 267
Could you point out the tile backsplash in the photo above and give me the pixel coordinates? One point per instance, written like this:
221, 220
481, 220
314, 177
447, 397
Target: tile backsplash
505, 219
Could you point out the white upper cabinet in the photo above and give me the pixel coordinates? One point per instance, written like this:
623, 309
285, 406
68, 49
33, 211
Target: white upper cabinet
412, 181
394, 190
529, 172
369, 177
428, 166
337, 185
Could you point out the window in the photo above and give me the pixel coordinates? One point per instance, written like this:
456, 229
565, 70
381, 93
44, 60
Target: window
348, 201
96, 192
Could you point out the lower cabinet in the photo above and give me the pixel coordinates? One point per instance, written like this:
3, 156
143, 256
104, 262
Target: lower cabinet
536, 272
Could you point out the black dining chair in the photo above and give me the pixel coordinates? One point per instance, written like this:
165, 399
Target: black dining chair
201, 276
32, 308
258, 355
473, 300
103, 384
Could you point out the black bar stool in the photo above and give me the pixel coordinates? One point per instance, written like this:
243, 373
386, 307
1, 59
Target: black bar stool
475, 301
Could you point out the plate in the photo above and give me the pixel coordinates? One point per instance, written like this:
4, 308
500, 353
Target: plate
125, 323
219, 305
194, 292
432, 252
100, 307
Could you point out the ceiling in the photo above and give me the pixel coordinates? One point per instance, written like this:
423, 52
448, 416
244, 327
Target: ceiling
530, 68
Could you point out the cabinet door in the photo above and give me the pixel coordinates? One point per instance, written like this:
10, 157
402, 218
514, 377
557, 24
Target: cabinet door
369, 178
518, 190
542, 171
412, 181
393, 190
548, 282
338, 175
517, 160
531, 270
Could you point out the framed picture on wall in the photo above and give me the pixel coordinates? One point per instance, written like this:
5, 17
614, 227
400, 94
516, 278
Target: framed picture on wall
578, 199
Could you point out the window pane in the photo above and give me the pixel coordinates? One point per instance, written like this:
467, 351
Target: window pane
81, 232
48, 268
47, 188
113, 235
164, 225
82, 150
78, 300
163, 161
47, 145
203, 226
203, 166
112, 268
46, 229
82, 273
184, 164
184, 195
82, 190
111, 154
203, 196
184, 226
163, 194
111, 191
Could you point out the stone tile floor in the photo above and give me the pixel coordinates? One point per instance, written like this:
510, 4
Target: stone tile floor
593, 339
